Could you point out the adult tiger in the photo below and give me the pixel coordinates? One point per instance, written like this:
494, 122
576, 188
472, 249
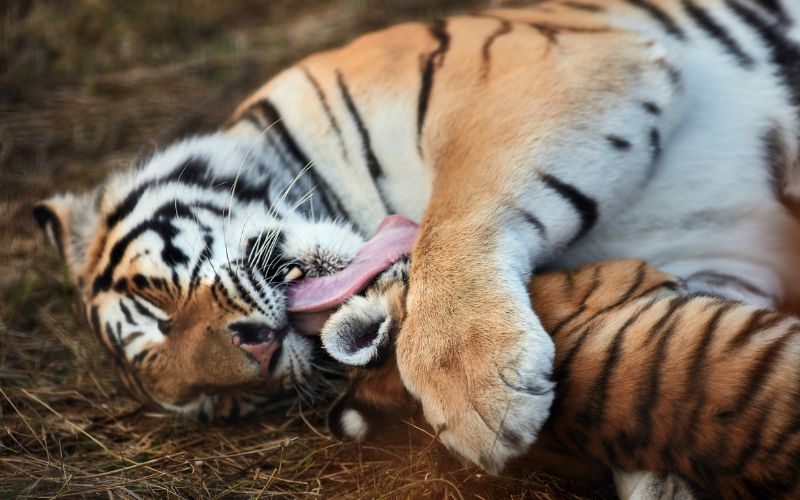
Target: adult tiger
646, 378
552, 135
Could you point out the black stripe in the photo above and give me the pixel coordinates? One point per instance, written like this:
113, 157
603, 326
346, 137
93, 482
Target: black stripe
675, 77
257, 286
551, 31
229, 303
94, 320
243, 293
486, 54
784, 53
651, 393
435, 59
569, 278
758, 374
215, 296
660, 16
776, 157
718, 32
586, 7
113, 341
775, 7
651, 108
655, 141
753, 444
374, 167
668, 284
675, 303
205, 255
562, 369
593, 287
323, 100
45, 218
585, 206
278, 126
194, 172
130, 338
696, 375
162, 224
127, 313
619, 142
718, 279
141, 281
759, 320
789, 431
641, 273
191, 167
142, 309
655, 146
229, 299
267, 264
593, 413
140, 356
534, 221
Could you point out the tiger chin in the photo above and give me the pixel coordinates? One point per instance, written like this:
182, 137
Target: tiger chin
648, 378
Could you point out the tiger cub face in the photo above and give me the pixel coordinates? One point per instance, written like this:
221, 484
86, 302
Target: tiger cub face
182, 264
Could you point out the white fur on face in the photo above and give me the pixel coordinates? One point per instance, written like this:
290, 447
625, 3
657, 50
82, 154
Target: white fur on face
324, 246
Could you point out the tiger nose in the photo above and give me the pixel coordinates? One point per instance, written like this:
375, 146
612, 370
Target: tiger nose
259, 341
251, 333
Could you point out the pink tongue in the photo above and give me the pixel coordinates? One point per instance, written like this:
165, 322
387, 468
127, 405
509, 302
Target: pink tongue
394, 238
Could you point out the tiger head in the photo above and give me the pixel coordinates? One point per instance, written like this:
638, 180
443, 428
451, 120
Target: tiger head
182, 264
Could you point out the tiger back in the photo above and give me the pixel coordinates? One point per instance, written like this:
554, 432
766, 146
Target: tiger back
647, 379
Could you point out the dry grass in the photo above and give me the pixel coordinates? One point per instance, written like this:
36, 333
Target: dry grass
85, 87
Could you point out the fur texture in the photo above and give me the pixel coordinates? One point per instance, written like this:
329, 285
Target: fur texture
554, 135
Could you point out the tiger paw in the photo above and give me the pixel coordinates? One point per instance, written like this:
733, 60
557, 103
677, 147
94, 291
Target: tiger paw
484, 384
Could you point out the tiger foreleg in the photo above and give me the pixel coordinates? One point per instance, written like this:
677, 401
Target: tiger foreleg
471, 349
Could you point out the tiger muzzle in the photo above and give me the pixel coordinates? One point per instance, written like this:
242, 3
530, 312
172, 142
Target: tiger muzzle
260, 342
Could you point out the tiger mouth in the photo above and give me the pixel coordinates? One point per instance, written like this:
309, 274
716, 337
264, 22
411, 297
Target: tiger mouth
312, 300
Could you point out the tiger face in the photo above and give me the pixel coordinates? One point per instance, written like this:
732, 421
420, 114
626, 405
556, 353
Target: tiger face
183, 263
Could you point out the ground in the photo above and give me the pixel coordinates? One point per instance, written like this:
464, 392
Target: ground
85, 88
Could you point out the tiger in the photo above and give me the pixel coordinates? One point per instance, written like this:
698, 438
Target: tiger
648, 378
520, 139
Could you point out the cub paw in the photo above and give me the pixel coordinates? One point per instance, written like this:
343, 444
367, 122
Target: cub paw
359, 333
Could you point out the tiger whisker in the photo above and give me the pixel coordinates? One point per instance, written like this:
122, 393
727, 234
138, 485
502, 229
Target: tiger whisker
273, 211
269, 253
232, 191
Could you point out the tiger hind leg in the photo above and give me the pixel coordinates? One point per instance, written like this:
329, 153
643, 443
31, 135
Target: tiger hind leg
730, 280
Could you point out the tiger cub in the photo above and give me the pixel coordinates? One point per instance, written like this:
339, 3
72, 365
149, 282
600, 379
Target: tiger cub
647, 378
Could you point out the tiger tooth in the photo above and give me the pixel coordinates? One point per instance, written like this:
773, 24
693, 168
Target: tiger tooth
293, 274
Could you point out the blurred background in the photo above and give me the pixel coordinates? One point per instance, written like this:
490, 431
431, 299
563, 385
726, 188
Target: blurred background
86, 87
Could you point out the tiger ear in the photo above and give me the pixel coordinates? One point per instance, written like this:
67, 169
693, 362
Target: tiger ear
359, 333
70, 222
